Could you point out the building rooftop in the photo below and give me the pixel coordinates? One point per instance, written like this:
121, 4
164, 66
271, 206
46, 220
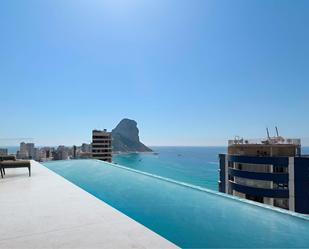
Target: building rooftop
47, 211
268, 141
100, 131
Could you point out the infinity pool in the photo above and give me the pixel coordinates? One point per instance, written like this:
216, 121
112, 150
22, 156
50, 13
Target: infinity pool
187, 216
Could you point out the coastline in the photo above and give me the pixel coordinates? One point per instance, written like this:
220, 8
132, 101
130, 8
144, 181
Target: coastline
132, 152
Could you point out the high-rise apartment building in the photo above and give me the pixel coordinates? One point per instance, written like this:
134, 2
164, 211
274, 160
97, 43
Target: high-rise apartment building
270, 171
62, 153
3, 151
31, 150
26, 151
22, 153
86, 147
102, 145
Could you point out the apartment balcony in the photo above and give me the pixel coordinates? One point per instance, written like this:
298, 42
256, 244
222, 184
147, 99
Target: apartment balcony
102, 139
265, 192
275, 177
102, 143
276, 161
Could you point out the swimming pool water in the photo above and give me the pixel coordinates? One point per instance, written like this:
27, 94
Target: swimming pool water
193, 165
188, 217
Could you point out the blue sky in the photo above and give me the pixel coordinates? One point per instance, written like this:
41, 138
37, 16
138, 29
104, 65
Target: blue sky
189, 72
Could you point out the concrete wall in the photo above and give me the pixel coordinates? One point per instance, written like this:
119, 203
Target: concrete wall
263, 150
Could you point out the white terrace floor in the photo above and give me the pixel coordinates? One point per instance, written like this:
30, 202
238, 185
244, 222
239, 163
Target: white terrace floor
47, 211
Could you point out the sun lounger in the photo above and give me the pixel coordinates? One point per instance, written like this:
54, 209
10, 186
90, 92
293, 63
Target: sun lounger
10, 162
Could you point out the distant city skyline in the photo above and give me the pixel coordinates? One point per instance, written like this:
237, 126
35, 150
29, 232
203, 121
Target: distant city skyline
215, 142
190, 73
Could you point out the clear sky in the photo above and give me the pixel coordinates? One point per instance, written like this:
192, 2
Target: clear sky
190, 72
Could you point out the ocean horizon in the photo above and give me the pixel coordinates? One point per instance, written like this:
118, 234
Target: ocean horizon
196, 165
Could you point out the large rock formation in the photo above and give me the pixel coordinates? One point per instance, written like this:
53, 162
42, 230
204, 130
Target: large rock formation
126, 139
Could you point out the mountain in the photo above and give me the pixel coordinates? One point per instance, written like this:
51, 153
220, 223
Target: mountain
126, 139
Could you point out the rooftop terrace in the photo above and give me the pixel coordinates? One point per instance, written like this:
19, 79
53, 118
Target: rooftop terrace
47, 211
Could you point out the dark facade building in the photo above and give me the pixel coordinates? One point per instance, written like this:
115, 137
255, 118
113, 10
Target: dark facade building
74, 152
102, 145
272, 171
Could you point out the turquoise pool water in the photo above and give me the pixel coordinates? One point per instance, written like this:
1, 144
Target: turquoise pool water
189, 217
193, 165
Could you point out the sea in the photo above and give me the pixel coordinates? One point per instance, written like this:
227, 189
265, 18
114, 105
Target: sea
194, 165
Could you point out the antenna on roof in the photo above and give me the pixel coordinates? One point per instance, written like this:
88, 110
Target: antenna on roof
277, 131
267, 133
